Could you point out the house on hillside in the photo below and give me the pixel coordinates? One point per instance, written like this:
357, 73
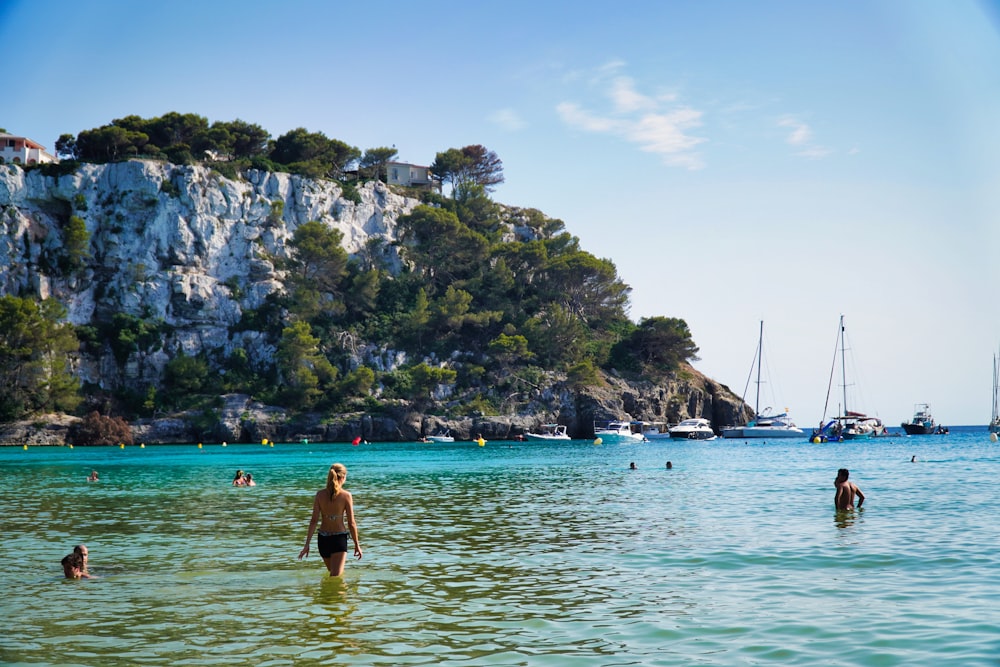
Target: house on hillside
410, 175
21, 150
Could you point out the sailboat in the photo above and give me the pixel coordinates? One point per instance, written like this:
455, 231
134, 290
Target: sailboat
995, 419
850, 425
763, 425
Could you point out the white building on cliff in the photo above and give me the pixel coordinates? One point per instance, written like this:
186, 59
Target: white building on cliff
21, 150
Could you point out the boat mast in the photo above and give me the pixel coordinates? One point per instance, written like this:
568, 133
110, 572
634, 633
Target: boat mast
996, 389
833, 368
843, 363
760, 349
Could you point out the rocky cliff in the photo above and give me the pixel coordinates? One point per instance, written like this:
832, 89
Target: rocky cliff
186, 246
181, 244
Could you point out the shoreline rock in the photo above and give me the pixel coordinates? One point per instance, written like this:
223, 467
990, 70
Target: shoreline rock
243, 420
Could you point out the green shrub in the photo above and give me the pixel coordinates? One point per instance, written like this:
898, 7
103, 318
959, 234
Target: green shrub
168, 188
349, 192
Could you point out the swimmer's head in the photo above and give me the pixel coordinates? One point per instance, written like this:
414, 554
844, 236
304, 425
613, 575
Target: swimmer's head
72, 566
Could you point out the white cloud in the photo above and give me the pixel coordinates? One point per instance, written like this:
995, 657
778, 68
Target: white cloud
508, 119
625, 97
577, 117
800, 133
654, 124
801, 136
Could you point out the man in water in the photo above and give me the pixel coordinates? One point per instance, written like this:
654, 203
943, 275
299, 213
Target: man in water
846, 491
83, 552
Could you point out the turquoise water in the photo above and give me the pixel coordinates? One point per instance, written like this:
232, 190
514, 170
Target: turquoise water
509, 554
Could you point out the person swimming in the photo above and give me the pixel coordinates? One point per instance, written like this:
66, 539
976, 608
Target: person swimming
73, 567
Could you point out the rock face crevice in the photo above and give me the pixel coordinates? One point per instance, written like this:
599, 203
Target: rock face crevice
196, 251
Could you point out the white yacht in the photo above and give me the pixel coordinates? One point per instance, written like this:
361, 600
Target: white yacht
549, 432
442, 436
693, 429
616, 431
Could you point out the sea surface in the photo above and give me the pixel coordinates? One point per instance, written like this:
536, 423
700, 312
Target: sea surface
508, 554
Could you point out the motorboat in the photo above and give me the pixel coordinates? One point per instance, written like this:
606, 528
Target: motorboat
655, 430
549, 432
693, 429
616, 431
764, 424
922, 422
442, 436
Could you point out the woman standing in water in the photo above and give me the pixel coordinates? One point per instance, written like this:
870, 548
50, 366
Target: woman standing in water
333, 508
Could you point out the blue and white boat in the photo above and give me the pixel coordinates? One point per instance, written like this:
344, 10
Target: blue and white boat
922, 422
851, 425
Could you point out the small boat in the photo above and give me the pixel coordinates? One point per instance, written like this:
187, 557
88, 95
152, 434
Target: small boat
442, 436
693, 429
764, 424
922, 422
549, 432
851, 425
616, 431
995, 419
655, 430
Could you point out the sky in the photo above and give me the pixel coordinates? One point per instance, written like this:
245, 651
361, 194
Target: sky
779, 161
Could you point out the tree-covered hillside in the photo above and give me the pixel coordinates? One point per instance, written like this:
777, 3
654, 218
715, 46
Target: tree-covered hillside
488, 302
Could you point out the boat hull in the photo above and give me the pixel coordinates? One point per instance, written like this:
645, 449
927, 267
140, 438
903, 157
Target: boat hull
618, 437
542, 436
919, 429
692, 435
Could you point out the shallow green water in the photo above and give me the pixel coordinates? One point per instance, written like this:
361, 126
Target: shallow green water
508, 554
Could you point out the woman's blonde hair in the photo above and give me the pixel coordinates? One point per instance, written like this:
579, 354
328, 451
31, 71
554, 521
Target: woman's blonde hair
335, 479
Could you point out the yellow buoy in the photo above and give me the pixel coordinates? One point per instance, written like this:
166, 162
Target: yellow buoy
142, 446
270, 444
71, 446
598, 441
25, 448
816, 440
264, 441
121, 445
199, 445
